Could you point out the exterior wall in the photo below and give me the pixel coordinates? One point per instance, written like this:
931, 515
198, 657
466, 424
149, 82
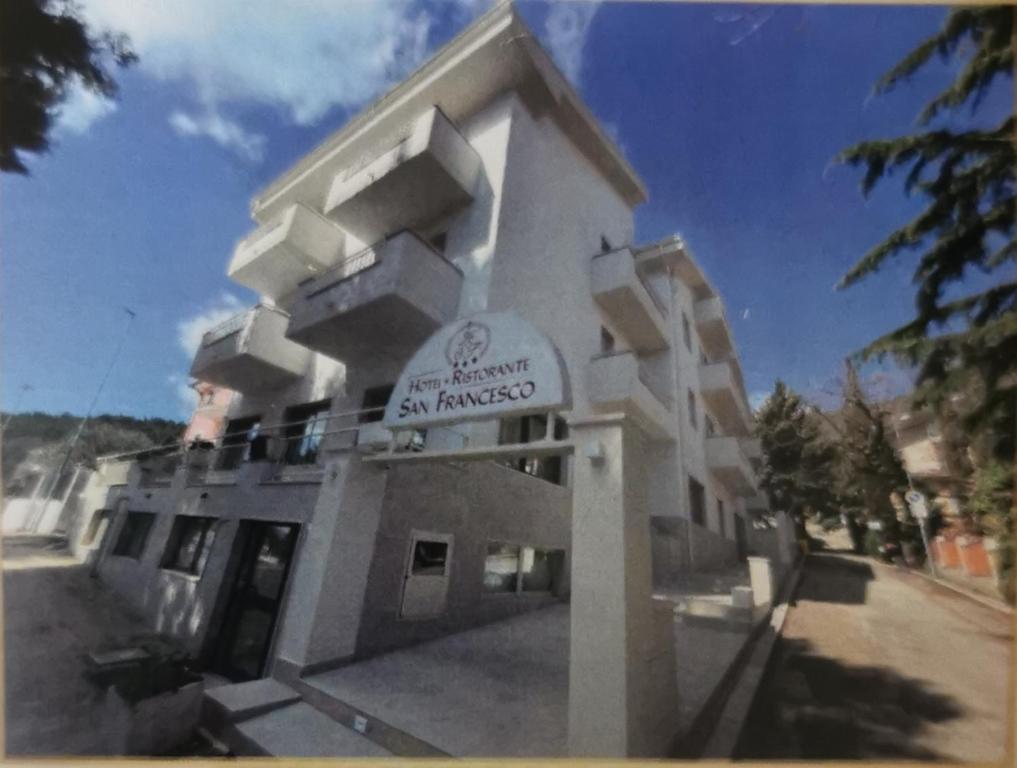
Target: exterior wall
476, 504
680, 546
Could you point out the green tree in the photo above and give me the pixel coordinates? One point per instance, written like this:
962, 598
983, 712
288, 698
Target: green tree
871, 469
798, 463
966, 344
45, 49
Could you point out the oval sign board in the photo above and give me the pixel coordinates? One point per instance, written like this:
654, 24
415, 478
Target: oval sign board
481, 367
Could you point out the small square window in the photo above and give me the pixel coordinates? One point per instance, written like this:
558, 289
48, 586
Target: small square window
134, 535
430, 558
189, 545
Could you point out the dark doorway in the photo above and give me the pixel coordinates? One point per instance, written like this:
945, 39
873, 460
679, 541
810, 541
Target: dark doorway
262, 554
740, 542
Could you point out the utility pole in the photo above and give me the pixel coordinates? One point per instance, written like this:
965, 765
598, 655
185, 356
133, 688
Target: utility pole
88, 415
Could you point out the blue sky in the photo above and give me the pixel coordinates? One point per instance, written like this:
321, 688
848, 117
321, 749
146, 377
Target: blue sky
732, 114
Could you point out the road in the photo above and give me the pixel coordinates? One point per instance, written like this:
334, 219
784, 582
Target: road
879, 663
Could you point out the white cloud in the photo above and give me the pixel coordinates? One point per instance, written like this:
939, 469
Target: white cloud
565, 30
187, 398
300, 57
81, 108
223, 131
191, 329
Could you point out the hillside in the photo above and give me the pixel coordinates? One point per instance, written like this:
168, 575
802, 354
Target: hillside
42, 438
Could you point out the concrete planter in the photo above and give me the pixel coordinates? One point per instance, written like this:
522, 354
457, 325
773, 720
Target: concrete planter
155, 725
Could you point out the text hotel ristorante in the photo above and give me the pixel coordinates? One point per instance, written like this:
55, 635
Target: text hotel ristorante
477, 368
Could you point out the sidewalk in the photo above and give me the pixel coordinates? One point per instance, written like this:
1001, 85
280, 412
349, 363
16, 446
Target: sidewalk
981, 588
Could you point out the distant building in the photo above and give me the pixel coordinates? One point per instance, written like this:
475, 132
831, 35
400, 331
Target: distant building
209, 416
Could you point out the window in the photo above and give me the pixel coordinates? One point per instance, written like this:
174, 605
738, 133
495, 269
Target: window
606, 340
693, 419
236, 442
697, 501
722, 521
529, 429
501, 568
134, 534
430, 558
306, 429
510, 568
189, 544
708, 426
99, 522
686, 332
375, 397
539, 568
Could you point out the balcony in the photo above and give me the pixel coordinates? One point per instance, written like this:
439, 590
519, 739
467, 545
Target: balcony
728, 463
430, 174
721, 386
632, 307
250, 352
714, 332
615, 385
278, 256
389, 297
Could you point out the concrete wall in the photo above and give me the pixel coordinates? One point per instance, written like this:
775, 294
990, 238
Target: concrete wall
477, 504
672, 538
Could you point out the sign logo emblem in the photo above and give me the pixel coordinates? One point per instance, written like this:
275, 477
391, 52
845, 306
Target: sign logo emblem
468, 345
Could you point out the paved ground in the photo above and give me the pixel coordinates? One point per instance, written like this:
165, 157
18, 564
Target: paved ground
54, 614
876, 662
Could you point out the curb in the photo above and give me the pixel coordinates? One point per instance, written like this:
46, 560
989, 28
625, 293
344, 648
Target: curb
988, 602
746, 675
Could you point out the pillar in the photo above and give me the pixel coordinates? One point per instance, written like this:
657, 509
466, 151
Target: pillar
761, 578
623, 697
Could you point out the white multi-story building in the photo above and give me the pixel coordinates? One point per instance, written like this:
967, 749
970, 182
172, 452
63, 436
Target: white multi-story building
479, 184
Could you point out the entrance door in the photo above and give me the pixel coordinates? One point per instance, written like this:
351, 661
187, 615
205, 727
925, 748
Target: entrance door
425, 581
263, 552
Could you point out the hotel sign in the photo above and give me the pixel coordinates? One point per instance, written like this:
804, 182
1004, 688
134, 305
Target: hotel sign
482, 367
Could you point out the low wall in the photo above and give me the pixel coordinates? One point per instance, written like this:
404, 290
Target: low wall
672, 538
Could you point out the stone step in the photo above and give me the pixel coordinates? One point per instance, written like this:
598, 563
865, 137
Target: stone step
300, 730
241, 701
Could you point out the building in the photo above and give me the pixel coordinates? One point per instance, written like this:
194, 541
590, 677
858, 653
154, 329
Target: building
481, 184
209, 417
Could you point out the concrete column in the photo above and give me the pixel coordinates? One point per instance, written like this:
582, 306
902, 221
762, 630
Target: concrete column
623, 697
322, 616
761, 577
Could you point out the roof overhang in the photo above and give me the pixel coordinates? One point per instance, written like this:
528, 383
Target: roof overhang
494, 55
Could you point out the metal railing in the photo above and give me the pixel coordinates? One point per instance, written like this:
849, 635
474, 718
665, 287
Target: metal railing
654, 298
218, 460
228, 327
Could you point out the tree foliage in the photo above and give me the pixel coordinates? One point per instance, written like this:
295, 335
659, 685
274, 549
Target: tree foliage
42, 438
798, 463
871, 470
45, 49
966, 344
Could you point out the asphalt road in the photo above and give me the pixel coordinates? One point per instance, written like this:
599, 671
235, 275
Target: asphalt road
879, 663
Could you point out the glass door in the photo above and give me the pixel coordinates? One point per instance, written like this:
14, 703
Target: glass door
265, 551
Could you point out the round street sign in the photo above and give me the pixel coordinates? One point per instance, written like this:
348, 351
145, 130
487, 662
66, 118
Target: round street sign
914, 497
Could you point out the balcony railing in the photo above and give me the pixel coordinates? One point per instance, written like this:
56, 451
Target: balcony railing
618, 382
633, 306
249, 352
390, 296
285, 451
